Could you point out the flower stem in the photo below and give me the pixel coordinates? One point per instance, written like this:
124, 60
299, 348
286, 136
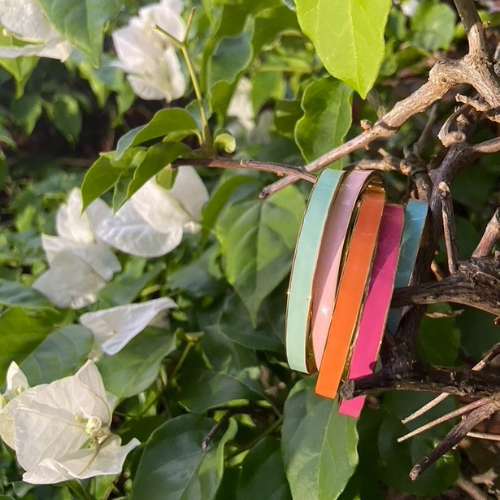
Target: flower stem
206, 136
205, 133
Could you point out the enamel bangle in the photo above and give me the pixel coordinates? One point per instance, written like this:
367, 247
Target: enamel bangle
330, 257
374, 315
304, 264
352, 288
415, 215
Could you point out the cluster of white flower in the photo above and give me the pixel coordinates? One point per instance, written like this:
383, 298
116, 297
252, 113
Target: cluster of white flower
148, 56
32, 420
61, 431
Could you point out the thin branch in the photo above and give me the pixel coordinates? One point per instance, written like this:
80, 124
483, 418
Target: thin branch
454, 437
274, 168
470, 488
484, 435
222, 421
424, 136
449, 227
490, 356
488, 147
444, 418
490, 237
441, 78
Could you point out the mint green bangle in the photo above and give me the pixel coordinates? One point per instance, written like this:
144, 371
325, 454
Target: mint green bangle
415, 215
306, 255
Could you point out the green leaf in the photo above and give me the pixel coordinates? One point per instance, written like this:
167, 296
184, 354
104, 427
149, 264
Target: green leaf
128, 285
224, 355
203, 390
20, 334
319, 446
173, 124
257, 239
233, 376
266, 86
82, 23
348, 36
156, 159
59, 355
433, 25
263, 474
438, 338
327, 117
14, 294
26, 111
20, 68
399, 458
267, 334
106, 171
173, 465
270, 23
232, 55
479, 332
221, 195
64, 112
135, 367
286, 116
198, 279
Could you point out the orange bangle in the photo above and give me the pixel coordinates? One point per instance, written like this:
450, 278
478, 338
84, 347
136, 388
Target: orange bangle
351, 293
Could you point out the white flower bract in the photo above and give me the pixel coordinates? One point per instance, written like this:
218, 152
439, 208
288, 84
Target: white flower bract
61, 431
148, 56
25, 20
153, 221
80, 263
113, 328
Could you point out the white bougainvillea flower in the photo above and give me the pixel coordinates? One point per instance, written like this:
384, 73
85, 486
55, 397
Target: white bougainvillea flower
240, 106
80, 263
148, 56
70, 282
16, 382
64, 431
26, 20
153, 221
113, 328
17, 395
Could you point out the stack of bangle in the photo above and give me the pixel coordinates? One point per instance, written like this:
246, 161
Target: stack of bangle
346, 265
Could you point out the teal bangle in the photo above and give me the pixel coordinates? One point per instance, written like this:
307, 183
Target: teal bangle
415, 215
304, 265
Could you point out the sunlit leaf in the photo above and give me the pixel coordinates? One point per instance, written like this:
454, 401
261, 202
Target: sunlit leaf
348, 36
171, 124
257, 240
327, 117
319, 446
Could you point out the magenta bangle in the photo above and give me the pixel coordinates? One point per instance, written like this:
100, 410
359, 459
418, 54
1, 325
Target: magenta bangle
374, 315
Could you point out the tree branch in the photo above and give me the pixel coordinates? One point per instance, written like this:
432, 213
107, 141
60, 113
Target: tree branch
490, 237
454, 437
476, 284
475, 384
274, 168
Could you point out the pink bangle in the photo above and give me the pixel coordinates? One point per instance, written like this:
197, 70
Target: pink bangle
330, 256
374, 316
